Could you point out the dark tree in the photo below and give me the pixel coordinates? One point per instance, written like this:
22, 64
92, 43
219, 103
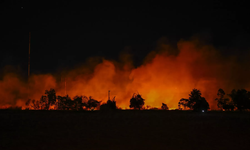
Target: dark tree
222, 102
136, 102
91, 103
183, 102
33, 104
78, 105
36, 105
241, 99
28, 104
69, 103
229, 106
51, 96
195, 101
201, 105
164, 106
48, 100
110, 105
65, 103
44, 103
194, 96
61, 103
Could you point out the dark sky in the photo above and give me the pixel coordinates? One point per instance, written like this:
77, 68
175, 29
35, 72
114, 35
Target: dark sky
64, 34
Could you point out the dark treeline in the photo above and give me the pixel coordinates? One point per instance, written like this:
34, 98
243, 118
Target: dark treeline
236, 100
195, 102
51, 101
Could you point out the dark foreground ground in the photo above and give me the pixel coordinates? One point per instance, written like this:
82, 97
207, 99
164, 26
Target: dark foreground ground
124, 130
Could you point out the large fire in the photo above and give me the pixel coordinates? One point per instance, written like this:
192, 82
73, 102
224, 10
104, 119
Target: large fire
164, 77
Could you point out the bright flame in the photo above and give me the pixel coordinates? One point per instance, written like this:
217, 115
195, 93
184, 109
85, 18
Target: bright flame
163, 78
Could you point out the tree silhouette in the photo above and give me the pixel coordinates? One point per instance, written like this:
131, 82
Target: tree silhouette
33, 104
110, 105
195, 101
36, 105
48, 100
164, 106
222, 102
91, 103
60, 103
65, 103
201, 105
194, 96
51, 96
78, 105
183, 102
241, 99
136, 102
28, 104
44, 103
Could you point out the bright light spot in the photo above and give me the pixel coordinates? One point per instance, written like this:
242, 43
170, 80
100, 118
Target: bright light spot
203, 111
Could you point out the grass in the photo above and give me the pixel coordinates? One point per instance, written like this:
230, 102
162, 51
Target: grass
147, 129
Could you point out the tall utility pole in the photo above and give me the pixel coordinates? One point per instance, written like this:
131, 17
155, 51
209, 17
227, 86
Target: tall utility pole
65, 86
29, 57
109, 95
29, 68
63, 82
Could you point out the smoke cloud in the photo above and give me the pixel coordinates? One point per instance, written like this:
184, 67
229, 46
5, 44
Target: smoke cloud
167, 74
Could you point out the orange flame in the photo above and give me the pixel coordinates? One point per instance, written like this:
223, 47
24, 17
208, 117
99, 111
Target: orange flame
164, 77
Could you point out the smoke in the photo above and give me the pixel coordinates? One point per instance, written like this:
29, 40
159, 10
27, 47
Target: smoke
167, 74
15, 92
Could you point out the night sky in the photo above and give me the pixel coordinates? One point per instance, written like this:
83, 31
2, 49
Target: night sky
64, 33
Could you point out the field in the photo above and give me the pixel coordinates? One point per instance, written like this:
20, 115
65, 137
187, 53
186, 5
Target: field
124, 130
